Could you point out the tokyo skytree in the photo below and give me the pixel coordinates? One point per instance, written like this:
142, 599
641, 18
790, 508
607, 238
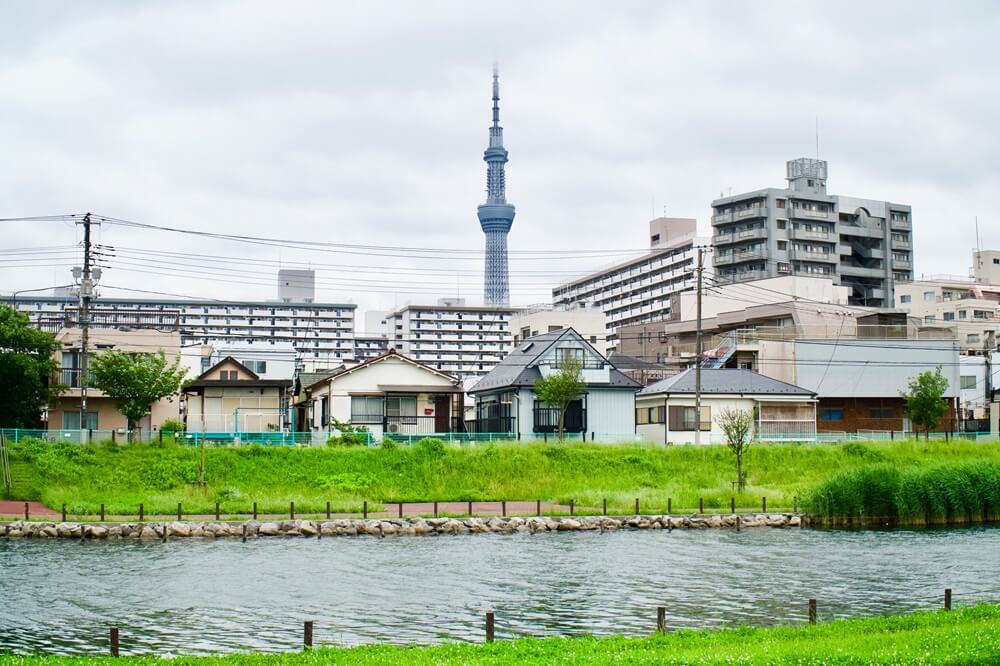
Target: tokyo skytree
496, 215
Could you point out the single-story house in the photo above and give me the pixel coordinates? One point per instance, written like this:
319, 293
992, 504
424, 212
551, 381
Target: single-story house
665, 411
506, 401
390, 393
231, 398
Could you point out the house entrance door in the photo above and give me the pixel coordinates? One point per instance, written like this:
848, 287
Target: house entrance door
442, 413
575, 419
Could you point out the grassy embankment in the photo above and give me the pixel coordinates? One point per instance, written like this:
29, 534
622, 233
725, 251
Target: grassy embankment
964, 636
121, 477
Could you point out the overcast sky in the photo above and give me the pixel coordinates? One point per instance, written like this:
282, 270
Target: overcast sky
365, 123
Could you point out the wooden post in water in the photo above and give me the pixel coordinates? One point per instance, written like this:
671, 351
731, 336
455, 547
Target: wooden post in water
812, 611
661, 619
307, 635
947, 598
102, 512
165, 528
244, 532
490, 626
113, 639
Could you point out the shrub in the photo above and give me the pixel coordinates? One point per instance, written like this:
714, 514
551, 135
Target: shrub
432, 447
171, 426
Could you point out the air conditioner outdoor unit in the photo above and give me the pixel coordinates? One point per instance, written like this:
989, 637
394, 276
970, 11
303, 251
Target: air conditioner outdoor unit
392, 427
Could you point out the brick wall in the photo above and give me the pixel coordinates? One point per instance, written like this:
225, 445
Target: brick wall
872, 414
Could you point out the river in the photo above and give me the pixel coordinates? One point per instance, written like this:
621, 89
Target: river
203, 596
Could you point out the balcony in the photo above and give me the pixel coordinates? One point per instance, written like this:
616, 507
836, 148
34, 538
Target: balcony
810, 234
750, 213
860, 231
900, 223
810, 255
722, 218
809, 214
902, 244
902, 264
741, 276
862, 271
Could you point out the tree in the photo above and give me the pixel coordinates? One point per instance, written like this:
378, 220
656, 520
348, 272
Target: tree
737, 425
561, 387
925, 399
135, 381
26, 371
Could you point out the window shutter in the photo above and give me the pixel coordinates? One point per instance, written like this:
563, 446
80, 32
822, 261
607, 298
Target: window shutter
676, 414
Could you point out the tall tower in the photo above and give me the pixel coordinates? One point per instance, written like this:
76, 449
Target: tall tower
496, 215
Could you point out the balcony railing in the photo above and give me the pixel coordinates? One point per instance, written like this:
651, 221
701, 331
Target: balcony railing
71, 378
546, 419
491, 424
897, 223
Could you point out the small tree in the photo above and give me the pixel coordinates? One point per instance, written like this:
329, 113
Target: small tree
737, 425
925, 399
560, 388
26, 369
135, 381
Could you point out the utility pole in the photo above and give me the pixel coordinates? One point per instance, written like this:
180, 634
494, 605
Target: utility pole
697, 352
86, 293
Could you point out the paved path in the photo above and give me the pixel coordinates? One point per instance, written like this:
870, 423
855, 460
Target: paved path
15, 509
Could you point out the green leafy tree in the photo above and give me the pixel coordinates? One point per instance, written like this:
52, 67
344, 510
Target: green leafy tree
561, 387
925, 399
135, 381
26, 371
737, 425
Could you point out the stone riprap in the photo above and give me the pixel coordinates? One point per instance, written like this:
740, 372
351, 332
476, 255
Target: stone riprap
414, 526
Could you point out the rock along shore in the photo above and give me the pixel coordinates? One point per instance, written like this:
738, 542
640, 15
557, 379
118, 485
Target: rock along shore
409, 527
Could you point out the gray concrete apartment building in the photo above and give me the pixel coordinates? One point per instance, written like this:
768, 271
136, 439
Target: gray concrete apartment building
863, 244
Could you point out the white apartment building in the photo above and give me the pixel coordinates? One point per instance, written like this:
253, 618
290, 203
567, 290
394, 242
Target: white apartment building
316, 330
589, 322
971, 305
464, 341
639, 290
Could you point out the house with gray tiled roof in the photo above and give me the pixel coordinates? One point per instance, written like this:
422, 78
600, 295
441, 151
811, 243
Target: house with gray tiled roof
506, 401
666, 412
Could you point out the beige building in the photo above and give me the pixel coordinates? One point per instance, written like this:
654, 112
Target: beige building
389, 394
231, 398
589, 322
102, 413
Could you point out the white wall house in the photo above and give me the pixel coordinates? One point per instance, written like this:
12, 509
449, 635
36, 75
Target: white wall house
506, 401
666, 410
231, 398
389, 394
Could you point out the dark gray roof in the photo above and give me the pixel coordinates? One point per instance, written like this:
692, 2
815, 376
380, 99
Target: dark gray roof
623, 362
725, 380
516, 370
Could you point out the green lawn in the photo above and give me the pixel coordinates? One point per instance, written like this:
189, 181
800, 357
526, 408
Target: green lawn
965, 636
122, 476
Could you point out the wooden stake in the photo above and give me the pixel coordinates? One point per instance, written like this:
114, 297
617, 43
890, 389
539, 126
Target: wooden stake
307, 635
180, 512
572, 507
435, 509
763, 504
812, 611
732, 505
64, 513
216, 510
605, 503
26, 511
661, 619
364, 510
291, 510
102, 512
637, 506
947, 598
142, 512
538, 507
503, 508
701, 505
113, 636
670, 505
255, 510
328, 510
490, 626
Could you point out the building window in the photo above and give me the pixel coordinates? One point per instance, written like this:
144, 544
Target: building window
228, 375
880, 412
968, 381
929, 296
683, 418
782, 245
258, 367
972, 337
963, 314
366, 409
905, 299
930, 319
71, 420
831, 414
949, 316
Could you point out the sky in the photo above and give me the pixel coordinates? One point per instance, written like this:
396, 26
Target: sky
364, 124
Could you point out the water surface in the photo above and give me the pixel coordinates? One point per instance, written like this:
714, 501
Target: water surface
195, 596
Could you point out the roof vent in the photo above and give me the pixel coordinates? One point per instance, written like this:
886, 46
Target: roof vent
527, 346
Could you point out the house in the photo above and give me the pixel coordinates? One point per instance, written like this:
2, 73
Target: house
665, 411
506, 400
229, 397
388, 394
102, 412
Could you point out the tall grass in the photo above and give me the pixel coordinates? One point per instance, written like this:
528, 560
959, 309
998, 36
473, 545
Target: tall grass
124, 476
942, 493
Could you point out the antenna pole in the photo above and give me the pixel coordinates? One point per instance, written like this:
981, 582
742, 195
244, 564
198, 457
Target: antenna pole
697, 357
85, 296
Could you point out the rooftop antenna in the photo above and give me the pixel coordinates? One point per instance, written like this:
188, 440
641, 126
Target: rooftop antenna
817, 137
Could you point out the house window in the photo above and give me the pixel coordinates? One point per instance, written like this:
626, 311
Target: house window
972, 337
401, 407
949, 316
880, 412
929, 296
258, 367
366, 408
71, 420
780, 203
963, 314
782, 245
905, 299
566, 353
228, 375
683, 418
831, 414
642, 415
968, 381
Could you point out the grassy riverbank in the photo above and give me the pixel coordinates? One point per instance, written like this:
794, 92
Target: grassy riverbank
121, 477
965, 636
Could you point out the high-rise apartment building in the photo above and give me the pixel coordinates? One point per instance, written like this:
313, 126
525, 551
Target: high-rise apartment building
639, 290
863, 244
